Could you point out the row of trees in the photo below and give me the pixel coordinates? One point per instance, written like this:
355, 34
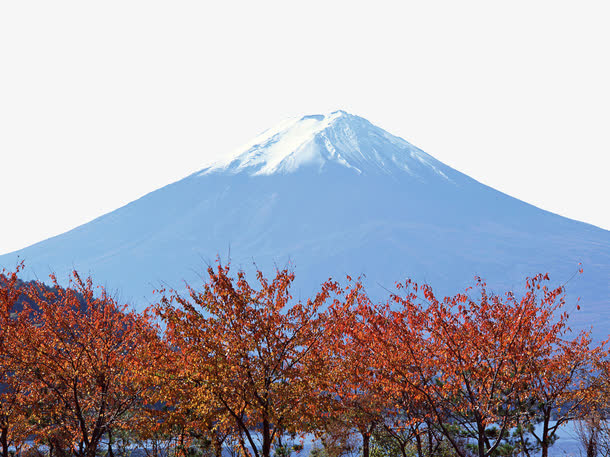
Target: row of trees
243, 368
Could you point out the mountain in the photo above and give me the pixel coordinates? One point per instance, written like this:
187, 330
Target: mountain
333, 195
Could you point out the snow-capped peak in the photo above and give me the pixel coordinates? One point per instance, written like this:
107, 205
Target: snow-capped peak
322, 139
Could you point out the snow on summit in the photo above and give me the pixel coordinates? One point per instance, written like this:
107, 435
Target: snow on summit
319, 140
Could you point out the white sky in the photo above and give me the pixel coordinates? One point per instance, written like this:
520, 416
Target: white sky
102, 102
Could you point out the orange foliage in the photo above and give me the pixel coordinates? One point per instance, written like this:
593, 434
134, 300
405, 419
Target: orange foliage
473, 362
248, 365
246, 355
85, 360
14, 427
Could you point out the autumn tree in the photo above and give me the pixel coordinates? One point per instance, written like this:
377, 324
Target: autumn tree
592, 427
472, 361
353, 395
84, 360
394, 334
560, 371
248, 351
14, 427
180, 413
482, 349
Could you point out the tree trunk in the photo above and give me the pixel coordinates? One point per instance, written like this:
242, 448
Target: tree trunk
481, 439
217, 448
544, 444
110, 452
366, 438
592, 448
420, 449
91, 449
266, 438
4, 439
242, 445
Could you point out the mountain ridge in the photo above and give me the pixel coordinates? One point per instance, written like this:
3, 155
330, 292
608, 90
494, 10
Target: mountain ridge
401, 219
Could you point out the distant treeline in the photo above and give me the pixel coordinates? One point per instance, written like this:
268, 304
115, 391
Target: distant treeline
239, 365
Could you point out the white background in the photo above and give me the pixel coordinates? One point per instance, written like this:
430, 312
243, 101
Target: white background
102, 102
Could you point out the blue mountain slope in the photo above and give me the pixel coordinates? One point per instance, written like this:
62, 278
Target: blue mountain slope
334, 195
